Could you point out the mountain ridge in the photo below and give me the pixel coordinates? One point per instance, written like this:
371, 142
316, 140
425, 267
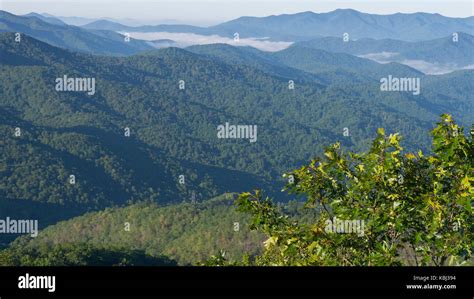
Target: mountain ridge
309, 25
174, 130
71, 37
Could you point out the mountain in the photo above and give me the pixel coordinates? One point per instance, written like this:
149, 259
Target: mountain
174, 131
310, 25
324, 63
186, 233
452, 91
90, 145
115, 26
254, 58
105, 25
445, 51
47, 19
183, 232
71, 37
136, 170
75, 21
305, 64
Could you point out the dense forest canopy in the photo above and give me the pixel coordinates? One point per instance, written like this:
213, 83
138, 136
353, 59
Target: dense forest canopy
143, 167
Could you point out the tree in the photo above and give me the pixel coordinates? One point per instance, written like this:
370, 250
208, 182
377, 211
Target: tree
390, 208
79, 254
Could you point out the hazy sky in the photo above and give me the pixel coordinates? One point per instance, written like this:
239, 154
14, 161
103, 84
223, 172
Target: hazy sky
215, 11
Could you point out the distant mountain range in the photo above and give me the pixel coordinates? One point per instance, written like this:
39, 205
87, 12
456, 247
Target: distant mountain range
436, 56
310, 25
306, 26
454, 51
74, 38
47, 18
80, 21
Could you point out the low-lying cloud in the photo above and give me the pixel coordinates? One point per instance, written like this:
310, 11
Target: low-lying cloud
434, 68
183, 40
382, 57
429, 68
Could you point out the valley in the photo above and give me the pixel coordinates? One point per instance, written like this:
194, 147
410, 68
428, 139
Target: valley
164, 137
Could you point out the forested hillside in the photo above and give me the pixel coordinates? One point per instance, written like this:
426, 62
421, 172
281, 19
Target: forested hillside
412, 207
309, 138
71, 37
442, 50
79, 255
173, 130
186, 233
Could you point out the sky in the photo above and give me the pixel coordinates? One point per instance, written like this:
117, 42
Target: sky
210, 12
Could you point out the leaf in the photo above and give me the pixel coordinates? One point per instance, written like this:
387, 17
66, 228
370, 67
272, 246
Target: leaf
330, 155
270, 242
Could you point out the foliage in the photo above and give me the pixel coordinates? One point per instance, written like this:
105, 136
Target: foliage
184, 232
79, 255
417, 208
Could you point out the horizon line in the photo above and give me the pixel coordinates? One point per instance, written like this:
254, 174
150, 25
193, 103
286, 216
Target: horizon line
115, 19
